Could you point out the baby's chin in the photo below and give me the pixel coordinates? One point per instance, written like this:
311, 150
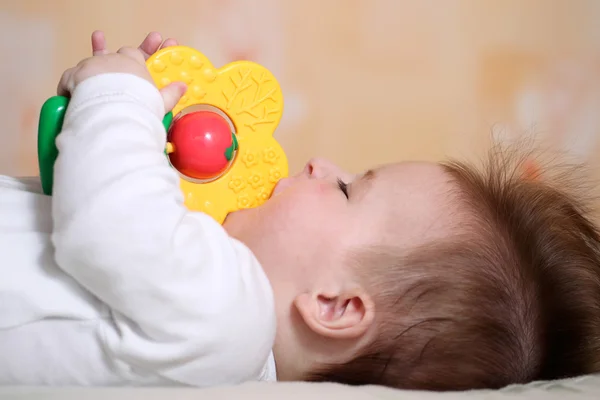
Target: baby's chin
280, 186
236, 219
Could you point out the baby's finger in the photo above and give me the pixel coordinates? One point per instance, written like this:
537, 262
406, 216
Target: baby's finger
64, 85
150, 44
98, 43
136, 54
169, 42
172, 93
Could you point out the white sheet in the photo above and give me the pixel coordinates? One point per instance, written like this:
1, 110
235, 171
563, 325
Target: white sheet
580, 388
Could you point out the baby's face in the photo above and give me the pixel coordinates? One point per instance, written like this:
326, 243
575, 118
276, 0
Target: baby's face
303, 235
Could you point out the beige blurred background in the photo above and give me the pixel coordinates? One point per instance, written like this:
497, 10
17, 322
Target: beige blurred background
364, 81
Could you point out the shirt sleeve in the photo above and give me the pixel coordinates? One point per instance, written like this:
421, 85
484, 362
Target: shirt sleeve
189, 302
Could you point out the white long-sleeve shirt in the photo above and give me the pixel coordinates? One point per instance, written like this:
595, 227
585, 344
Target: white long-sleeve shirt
112, 281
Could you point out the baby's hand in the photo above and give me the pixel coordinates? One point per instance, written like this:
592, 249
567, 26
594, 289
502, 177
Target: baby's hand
126, 60
151, 44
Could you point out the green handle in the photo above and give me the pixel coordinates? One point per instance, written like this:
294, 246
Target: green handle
51, 121
50, 124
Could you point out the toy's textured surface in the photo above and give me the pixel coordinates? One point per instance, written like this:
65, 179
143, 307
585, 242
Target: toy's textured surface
237, 167
250, 96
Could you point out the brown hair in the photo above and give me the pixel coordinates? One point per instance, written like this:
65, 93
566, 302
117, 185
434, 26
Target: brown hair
513, 297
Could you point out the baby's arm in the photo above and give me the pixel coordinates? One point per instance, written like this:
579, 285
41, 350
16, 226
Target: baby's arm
190, 303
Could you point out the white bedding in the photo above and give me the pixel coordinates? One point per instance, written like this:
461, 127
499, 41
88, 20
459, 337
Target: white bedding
580, 388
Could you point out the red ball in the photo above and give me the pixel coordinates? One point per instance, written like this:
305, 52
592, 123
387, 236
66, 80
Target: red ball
201, 141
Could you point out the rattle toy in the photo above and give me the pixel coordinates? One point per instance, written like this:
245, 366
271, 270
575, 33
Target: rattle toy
219, 135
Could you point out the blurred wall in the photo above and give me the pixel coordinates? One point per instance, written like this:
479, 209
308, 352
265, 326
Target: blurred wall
364, 81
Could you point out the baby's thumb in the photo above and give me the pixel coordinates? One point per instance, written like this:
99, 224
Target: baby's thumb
172, 93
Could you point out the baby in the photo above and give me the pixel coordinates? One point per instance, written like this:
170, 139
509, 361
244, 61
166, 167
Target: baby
411, 275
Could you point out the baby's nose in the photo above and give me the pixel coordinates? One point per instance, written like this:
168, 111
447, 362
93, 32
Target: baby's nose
320, 168
316, 168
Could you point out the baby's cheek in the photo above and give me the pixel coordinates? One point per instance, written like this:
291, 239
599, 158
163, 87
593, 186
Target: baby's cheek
299, 215
282, 209
324, 187
300, 204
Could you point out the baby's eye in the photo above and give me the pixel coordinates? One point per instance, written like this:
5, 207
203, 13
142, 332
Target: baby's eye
343, 187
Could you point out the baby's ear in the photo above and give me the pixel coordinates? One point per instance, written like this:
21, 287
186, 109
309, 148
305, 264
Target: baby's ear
337, 315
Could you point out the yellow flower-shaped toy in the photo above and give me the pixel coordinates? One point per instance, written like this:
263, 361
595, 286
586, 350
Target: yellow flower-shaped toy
221, 139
